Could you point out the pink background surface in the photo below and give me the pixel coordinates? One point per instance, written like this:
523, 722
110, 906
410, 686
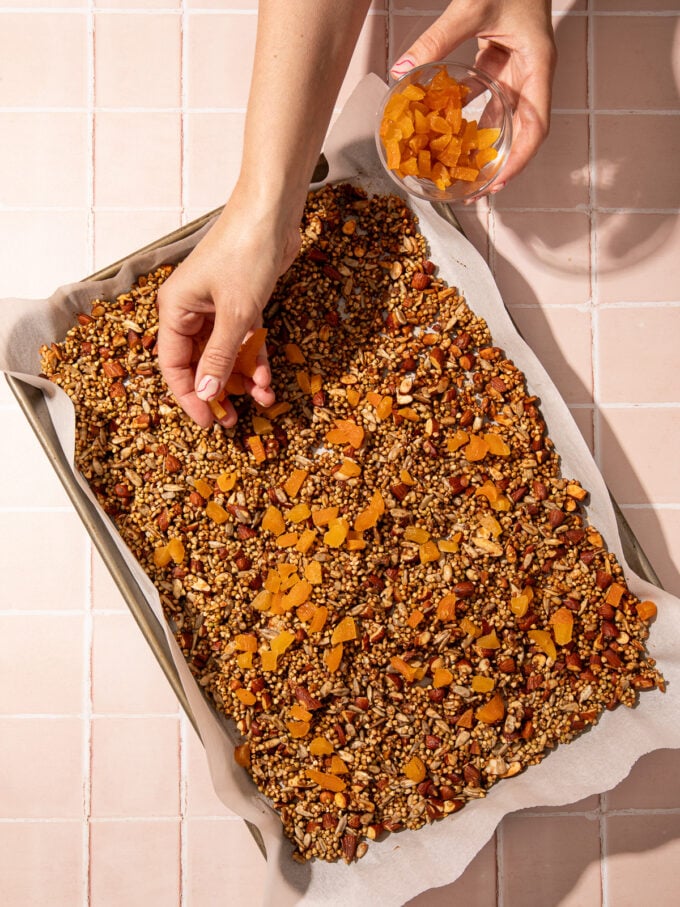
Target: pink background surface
120, 121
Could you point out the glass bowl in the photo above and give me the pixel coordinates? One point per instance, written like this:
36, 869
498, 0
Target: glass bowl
481, 101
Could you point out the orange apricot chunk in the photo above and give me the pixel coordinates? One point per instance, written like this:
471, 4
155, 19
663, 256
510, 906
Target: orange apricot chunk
544, 641
338, 766
442, 677
325, 780
333, 657
204, 488
415, 769
482, 684
216, 512
476, 449
319, 618
273, 520
294, 354
226, 481
294, 482
257, 448
345, 631
246, 360
320, 746
492, 711
246, 697
646, 610
563, 624
298, 728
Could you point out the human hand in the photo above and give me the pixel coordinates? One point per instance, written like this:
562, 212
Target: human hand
214, 300
516, 47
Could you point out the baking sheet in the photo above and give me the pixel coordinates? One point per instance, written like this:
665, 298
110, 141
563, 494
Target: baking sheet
405, 864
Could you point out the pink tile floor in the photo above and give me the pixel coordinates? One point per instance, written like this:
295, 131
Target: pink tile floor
122, 119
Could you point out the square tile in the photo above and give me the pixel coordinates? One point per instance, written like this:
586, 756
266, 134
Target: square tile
34, 482
32, 45
62, 240
561, 339
642, 853
106, 595
621, 143
542, 256
570, 83
216, 78
135, 767
637, 256
41, 863
60, 581
475, 888
142, 687
201, 799
560, 855
137, 160
647, 338
118, 233
654, 783
137, 60
558, 176
214, 144
638, 454
42, 670
370, 55
640, 79
222, 857
658, 531
41, 764
138, 4
47, 155
135, 863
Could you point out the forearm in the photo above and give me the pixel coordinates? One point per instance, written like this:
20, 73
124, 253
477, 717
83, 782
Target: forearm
302, 53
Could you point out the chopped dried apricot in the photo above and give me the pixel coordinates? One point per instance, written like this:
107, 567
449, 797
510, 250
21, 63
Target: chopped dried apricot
457, 440
326, 781
204, 488
244, 660
442, 677
257, 448
496, 445
469, 627
415, 617
349, 469
415, 769
416, 534
226, 481
476, 449
646, 610
298, 595
298, 513
246, 360
298, 728
306, 540
262, 601
428, 552
294, 354
446, 609
294, 482
313, 573
273, 520
407, 671
161, 556
261, 426
563, 624
299, 712
492, 711
544, 641
482, 684
337, 532
319, 618
333, 657
269, 660
320, 746
281, 642
216, 512
346, 432
246, 642
324, 515
338, 766
345, 631
246, 697
488, 641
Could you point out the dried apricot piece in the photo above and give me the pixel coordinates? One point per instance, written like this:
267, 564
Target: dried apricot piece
319, 618
313, 573
294, 354
333, 657
246, 642
492, 711
415, 769
298, 513
269, 660
346, 432
326, 781
204, 488
337, 532
646, 610
306, 540
246, 697
476, 449
544, 641
446, 609
298, 729
406, 670
442, 677
481, 684
246, 360
294, 482
257, 448
216, 512
345, 631
324, 515
320, 746
281, 642
176, 550
273, 520
226, 481
563, 624
338, 766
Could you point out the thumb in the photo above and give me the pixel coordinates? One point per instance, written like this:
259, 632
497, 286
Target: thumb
445, 34
218, 357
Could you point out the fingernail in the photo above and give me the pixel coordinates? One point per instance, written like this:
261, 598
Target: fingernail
208, 389
403, 65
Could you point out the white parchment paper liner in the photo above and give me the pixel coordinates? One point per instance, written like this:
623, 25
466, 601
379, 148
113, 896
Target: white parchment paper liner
404, 864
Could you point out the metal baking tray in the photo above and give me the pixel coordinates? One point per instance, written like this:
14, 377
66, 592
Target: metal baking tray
33, 404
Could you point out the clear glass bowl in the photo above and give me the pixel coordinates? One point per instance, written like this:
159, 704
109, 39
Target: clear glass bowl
485, 102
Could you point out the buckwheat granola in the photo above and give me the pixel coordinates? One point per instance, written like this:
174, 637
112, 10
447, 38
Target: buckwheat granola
383, 579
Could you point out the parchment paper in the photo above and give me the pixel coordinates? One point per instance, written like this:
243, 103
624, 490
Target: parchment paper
407, 863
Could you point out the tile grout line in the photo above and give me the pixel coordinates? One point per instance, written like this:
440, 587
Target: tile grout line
88, 627
183, 808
